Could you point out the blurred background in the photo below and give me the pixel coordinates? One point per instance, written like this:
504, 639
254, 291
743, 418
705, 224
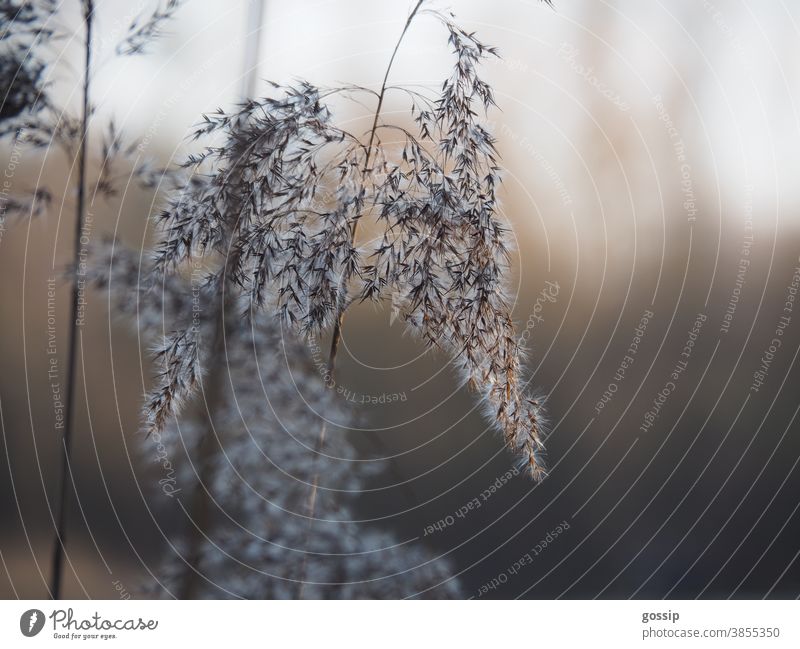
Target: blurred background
650, 163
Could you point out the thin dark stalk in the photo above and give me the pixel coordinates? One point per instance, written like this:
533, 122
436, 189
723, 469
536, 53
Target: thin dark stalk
60, 532
337, 330
343, 304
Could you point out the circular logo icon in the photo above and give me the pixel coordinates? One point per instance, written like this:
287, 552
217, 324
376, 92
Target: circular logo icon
31, 622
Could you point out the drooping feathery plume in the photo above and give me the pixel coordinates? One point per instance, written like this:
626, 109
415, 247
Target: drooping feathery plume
144, 30
265, 420
24, 27
293, 250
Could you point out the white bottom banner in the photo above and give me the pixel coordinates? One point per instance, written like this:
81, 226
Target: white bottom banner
402, 624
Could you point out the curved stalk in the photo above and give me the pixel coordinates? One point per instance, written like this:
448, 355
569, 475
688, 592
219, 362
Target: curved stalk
343, 304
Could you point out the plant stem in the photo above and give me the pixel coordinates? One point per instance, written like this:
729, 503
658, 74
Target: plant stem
252, 44
337, 329
342, 306
60, 532
200, 507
